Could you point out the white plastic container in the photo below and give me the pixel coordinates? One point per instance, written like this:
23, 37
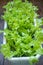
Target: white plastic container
19, 60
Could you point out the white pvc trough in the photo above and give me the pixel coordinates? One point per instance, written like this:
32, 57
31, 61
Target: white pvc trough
19, 60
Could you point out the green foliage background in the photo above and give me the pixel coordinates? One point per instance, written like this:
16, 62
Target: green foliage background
23, 36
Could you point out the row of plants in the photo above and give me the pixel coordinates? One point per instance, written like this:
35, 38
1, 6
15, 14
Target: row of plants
24, 36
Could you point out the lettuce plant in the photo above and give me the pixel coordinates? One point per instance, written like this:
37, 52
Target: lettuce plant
24, 36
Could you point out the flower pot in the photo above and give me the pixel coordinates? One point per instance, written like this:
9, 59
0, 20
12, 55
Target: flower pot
22, 60
21, 45
19, 60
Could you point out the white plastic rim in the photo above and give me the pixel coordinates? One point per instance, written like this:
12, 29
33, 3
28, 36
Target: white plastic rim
18, 58
5, 26
24, 58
